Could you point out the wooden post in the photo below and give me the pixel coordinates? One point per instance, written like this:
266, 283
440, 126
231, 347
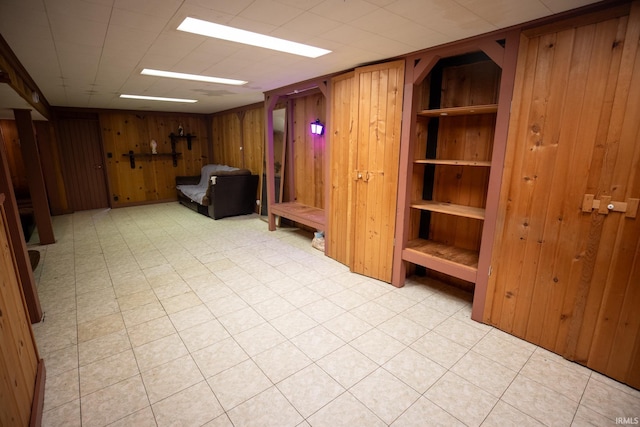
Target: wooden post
507, 81
269, 104
35, 178
25, 273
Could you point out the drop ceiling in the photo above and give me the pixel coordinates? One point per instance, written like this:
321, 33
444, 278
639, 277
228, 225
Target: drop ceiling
85, 53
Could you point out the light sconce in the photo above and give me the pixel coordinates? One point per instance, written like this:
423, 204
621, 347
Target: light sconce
317, 128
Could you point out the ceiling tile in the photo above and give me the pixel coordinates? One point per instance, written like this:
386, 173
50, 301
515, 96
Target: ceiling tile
79, 10
162, 8
228, 7
86, 33
443, 16
557, 6
380, 20
126, 43
122, 18
344, 11
301, 4
271, 12
345, 33
504, 13
251, 25
307, 24
175, 44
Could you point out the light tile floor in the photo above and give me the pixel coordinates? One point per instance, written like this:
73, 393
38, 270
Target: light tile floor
158, 316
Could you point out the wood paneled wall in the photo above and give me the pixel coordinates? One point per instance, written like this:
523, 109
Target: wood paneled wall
238, 139
50, 159
563, 278
227, 139
52, 167
308, 151
253, 139
18, 351
17, 168
153, 178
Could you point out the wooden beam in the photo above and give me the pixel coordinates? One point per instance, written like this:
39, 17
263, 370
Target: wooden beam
37, 188
23, 265
493, 50
423, 66
269, 103
13, 73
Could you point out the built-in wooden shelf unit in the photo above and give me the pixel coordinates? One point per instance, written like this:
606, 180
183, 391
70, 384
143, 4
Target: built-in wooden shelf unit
452, 153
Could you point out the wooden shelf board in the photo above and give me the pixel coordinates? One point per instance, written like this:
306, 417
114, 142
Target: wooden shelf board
449, 208
460, 263
484, 163
460, 111
307, 215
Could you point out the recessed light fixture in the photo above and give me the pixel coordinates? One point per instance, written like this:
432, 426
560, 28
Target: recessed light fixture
196, 77
209, 29
158, 98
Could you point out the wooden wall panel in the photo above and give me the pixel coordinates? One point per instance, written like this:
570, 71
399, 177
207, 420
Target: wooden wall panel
227, 140
308, 151
565, 279
52, 167
14, 158
341, 173
153, 178
18, 352
238, 140
253, 140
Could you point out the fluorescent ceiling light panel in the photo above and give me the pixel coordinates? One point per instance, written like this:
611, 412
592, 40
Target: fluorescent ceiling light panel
157, 98
209, 29
197, 77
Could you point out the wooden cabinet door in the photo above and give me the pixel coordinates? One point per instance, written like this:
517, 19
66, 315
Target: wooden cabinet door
563, 278
377, 113
83, 164
338, 238
18, 354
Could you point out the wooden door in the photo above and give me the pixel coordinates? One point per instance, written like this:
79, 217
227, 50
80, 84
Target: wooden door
83, 164
377, 113
18, 353
340, 173
563, 278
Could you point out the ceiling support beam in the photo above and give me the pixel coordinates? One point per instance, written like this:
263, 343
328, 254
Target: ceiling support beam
13, 73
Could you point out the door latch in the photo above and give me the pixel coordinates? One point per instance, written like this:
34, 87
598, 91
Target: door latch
605, 205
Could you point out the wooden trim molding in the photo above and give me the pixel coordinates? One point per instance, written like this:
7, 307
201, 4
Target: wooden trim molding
37, 404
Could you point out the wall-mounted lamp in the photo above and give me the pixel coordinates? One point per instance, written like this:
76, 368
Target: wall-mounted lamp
317, 128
